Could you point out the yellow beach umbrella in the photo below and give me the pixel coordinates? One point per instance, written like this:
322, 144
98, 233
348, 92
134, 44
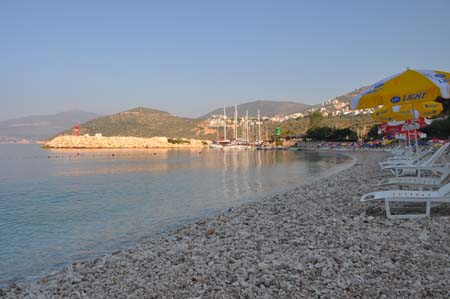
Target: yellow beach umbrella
410, 86
407, 112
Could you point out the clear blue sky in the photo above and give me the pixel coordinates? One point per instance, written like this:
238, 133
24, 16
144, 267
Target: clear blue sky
188, 57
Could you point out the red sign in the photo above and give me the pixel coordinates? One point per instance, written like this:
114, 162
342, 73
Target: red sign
401, 127
77, 130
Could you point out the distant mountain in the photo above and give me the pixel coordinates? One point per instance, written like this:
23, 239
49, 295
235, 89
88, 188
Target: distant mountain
267, 108
40, 127
144, 122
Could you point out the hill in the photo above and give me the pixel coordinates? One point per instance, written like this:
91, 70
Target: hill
301, 125
144, 122
39, 127
339, 116
339, 103
267, 108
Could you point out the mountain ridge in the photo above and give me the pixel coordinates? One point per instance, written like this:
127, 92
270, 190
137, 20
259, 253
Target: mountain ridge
149, 122
39, 127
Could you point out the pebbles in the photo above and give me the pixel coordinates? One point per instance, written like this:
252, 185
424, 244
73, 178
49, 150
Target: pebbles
314, 241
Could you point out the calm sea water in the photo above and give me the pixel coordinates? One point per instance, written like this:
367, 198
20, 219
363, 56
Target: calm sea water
57, 207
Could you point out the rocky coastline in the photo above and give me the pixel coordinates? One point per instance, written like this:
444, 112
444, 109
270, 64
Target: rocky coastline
92, 142
316, 241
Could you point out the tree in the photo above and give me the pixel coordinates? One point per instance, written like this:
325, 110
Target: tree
345, 134
319, 133
288, 133
331, 134
438, 128
315, 119
373, 133
446, 104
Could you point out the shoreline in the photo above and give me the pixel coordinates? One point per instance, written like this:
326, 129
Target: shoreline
300, 243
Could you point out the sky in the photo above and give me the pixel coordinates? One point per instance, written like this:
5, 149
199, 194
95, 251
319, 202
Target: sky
190, 57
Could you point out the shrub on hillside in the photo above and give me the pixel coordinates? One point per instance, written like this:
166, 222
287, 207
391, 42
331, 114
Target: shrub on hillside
178, 141
331, 134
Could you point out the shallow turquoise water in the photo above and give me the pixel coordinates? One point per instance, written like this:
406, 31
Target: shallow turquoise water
57, 207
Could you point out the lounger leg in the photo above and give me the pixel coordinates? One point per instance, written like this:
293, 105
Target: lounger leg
388, 209
406, 216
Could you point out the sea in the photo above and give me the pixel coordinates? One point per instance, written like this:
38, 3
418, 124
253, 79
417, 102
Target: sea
62, 206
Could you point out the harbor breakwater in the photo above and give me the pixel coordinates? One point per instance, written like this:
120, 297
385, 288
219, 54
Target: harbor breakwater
68, 141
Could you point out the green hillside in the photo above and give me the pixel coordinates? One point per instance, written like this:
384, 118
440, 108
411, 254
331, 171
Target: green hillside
144, 122
301, 125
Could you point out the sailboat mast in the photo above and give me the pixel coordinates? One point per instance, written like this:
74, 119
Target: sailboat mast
267, 133
217, 130
259, 127
243, 128
235, 122
224, 124
246, 127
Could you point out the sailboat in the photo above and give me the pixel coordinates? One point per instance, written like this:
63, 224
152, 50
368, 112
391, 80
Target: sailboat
244, 142
225, 142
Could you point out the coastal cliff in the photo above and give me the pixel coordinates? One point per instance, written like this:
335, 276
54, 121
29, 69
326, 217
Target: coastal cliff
122, 142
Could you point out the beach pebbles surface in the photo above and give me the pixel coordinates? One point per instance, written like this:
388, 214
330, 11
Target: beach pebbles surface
316, 241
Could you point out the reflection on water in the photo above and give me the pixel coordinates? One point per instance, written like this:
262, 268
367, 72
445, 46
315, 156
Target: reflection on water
63, 205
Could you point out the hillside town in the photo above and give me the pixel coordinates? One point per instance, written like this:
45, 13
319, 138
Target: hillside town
332, 107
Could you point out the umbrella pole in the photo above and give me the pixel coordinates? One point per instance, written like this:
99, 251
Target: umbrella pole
417, 143
408, 138
415, 131
407, 145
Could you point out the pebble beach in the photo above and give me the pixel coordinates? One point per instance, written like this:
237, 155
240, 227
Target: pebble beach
315, 241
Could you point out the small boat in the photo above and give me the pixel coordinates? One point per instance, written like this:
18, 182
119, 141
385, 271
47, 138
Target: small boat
216, 146
236, 147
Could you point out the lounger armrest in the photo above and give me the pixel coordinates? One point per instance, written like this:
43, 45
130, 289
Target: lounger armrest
375, 195
367, 197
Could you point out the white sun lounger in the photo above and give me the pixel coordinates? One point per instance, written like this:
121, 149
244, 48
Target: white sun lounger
424, 158
438, 159
402, 157
435, 180
440, 196
397, 150
402, 160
